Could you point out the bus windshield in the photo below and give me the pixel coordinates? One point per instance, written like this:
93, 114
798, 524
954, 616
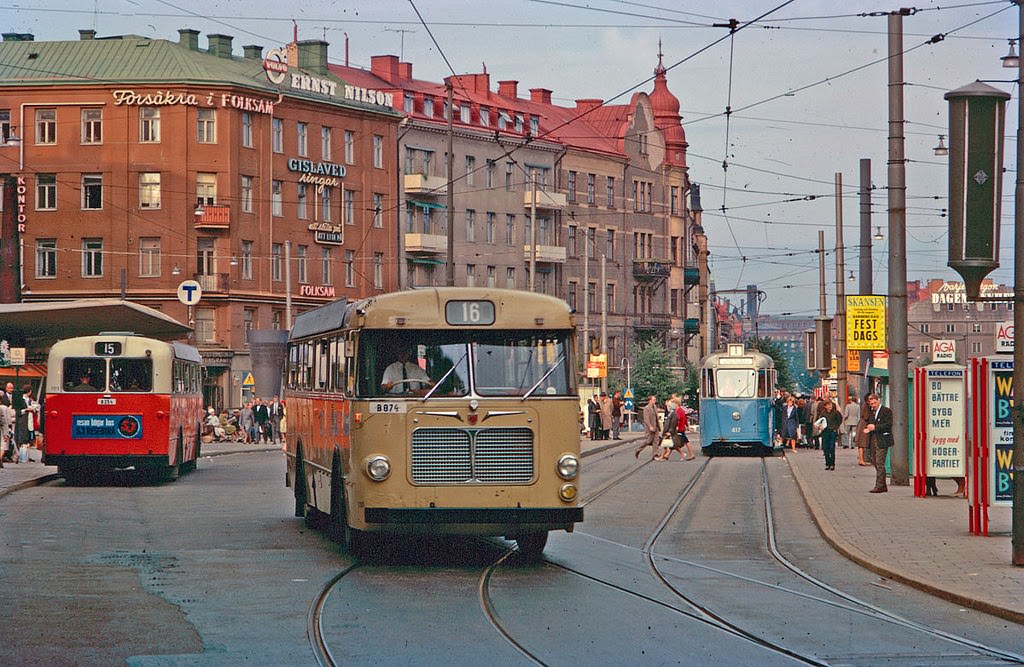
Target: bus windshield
126, 374
458, 363
735, 382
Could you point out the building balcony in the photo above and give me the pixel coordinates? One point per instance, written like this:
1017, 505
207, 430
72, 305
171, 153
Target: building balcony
660, 321
546, 200
546, 253
212, 282
421, 184
213, 217
426, 243
651, 269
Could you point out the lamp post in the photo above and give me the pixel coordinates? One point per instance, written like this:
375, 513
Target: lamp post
1018, 316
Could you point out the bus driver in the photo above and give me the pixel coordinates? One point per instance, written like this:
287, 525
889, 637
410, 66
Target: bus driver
404, 376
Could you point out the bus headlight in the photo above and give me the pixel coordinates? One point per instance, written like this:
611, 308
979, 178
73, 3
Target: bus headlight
378, 468
568, 466
567, 492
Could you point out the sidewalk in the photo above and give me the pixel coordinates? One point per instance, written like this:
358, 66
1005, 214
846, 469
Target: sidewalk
921, 542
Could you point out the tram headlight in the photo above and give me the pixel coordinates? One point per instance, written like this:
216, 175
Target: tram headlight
568, 466
378, 468
736, 416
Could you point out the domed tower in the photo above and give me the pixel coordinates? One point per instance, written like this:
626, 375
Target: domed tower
667, 118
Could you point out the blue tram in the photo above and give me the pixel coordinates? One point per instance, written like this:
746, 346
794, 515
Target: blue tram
737, 388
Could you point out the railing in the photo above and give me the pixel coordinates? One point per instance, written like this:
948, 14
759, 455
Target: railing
212, 282
421, 184
546, 253
213, 216
545, 199
652, 321
651, 268
432, 243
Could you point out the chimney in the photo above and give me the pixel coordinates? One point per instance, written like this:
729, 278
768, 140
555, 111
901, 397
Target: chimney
478, 83
588, 104
189, 39
253, 51
220, 45
313, 55
405, 71
86, 35
540, 95
19, 37
508, 88
386, 67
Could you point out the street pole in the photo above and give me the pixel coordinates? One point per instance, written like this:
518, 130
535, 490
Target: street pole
604, 320
288, 285
899, 461
1018, 318
533, 229
450, 268
865, 283
841, 394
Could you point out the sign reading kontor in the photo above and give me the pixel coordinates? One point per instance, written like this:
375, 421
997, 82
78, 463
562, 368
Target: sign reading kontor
865, 322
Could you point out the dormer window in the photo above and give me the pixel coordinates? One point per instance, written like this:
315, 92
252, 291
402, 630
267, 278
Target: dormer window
485, 116
428, 107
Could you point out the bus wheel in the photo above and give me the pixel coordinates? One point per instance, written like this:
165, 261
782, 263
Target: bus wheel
73, 476
172, 472
531, 545
299, 483
337, 523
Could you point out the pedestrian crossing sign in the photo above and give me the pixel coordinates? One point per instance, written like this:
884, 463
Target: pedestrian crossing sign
249, 381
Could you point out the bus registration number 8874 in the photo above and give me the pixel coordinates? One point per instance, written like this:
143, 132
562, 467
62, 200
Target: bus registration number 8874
387, 407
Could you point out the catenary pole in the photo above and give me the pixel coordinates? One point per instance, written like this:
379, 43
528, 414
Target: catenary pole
1017, 519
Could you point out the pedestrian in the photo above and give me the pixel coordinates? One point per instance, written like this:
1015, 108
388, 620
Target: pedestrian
26, 420
863, 441
879, 431
848, 430
594, 417
673, 437
829, 435
276, 412
247, 422
805, 421
617, 404
262, 417
790, 423
651, 428
605, 404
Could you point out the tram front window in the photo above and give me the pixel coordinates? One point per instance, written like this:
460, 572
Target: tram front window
736, 383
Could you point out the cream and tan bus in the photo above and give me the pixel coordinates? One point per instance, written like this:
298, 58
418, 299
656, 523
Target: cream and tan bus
435, 411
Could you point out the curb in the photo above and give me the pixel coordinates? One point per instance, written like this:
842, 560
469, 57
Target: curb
851, 552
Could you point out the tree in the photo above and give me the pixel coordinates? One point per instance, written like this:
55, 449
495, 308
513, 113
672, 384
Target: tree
652, 372
774, 350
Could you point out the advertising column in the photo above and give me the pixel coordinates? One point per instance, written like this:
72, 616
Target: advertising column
945, 422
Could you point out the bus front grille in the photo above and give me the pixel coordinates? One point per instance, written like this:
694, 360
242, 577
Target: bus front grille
465, 456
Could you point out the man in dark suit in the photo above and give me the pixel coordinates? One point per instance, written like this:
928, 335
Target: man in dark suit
261, 415
878, 427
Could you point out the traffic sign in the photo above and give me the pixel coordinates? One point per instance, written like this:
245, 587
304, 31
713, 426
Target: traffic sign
249, 380
189, 292
627, 398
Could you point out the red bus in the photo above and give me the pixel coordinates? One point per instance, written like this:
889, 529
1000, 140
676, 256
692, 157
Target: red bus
117, 400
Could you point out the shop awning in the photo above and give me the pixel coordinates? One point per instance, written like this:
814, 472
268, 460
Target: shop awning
425, 260
23, 371
425, 204
40, 324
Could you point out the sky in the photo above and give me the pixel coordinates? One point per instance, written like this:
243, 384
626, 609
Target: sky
806, 82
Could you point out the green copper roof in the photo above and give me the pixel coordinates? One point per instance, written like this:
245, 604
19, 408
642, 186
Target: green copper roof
136, 60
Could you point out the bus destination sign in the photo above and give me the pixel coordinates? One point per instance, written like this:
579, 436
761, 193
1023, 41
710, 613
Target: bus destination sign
469, 313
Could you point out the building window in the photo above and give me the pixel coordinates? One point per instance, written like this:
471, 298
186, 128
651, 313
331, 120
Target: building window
673, 200
609, 244
302, 139
464, 113
325, 204
206, 126
46, 258
92, 258
950, 328
485, 116
46, 192
534, 125
325, 144
591, 243
5, 125
378, 210
510, 278
609, 295
570, 245
206, 189
591, 189
509, 183
149, 189
470, 168
470, 225
510, 229
611, 192
378, 151
572, 186
248, 319
149, 257
489, 227
975, 327
350, 147
428, 107
276, 317
490, 174
502, 120
46, 126
325, 265
378, 270
246, 129
246, 192
275, 261
570, 295
92, 192
92, 126
490, 277
408, 103
205, 259
149, 125
276, 199
247, 260
350, 268
471, 275
519, 122
206, 332
350, 207
301, 255
277, 135
301, 197
924, 328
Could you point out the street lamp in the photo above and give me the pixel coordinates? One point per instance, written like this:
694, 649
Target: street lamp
941, 148
1011, 59
878, 234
